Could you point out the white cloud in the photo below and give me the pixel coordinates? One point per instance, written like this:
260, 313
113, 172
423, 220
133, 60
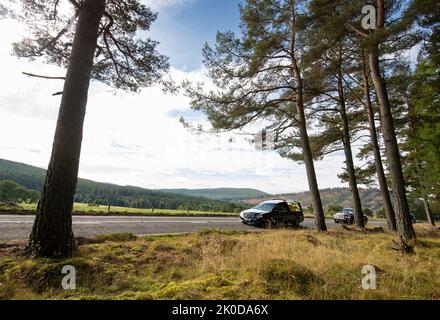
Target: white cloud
163, 4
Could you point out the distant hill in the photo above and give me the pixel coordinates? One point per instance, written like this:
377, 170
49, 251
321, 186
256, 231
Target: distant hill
228, 194
23, 174
333, 197
105, 193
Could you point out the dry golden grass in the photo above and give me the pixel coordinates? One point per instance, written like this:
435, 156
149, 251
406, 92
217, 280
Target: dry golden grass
276, 264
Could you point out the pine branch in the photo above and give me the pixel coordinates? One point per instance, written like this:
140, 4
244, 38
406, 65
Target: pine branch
358, 31
54, 40
43, 77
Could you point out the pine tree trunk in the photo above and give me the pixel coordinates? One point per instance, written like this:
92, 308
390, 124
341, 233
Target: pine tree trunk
423, 189
404, 225
304, 137
383, 185
403, 218
52, 234
428, 211
357, 204
310, 168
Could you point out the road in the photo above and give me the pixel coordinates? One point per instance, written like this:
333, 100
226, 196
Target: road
16, 227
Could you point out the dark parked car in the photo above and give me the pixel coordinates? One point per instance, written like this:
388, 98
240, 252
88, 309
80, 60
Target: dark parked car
274, 213
346, 216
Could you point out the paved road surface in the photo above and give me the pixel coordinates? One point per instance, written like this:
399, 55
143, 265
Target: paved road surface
15, 227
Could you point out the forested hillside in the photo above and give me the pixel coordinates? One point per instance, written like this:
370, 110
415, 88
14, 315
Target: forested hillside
220, 193
341, 197
104, 193
334, 197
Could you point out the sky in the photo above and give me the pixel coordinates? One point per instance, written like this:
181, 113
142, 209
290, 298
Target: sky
137, 139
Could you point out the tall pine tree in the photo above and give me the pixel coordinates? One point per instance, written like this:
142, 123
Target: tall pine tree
103, 46
259, 74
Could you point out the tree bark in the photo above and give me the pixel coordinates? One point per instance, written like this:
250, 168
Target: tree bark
404, 225
428, 211
310, 167
403, 218
304, 137
383, 185
357, 204
423, 189
52, 234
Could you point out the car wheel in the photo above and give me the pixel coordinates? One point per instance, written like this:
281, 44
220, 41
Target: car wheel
265, 223
273, 224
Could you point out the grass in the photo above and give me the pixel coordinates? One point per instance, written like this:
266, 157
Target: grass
86, 209
275, 264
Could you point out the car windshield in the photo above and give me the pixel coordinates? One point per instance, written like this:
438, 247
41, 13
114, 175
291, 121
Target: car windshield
265, 206
348, 211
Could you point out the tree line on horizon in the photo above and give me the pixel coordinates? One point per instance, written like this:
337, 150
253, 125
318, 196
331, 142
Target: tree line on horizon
299, 64
11, 192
